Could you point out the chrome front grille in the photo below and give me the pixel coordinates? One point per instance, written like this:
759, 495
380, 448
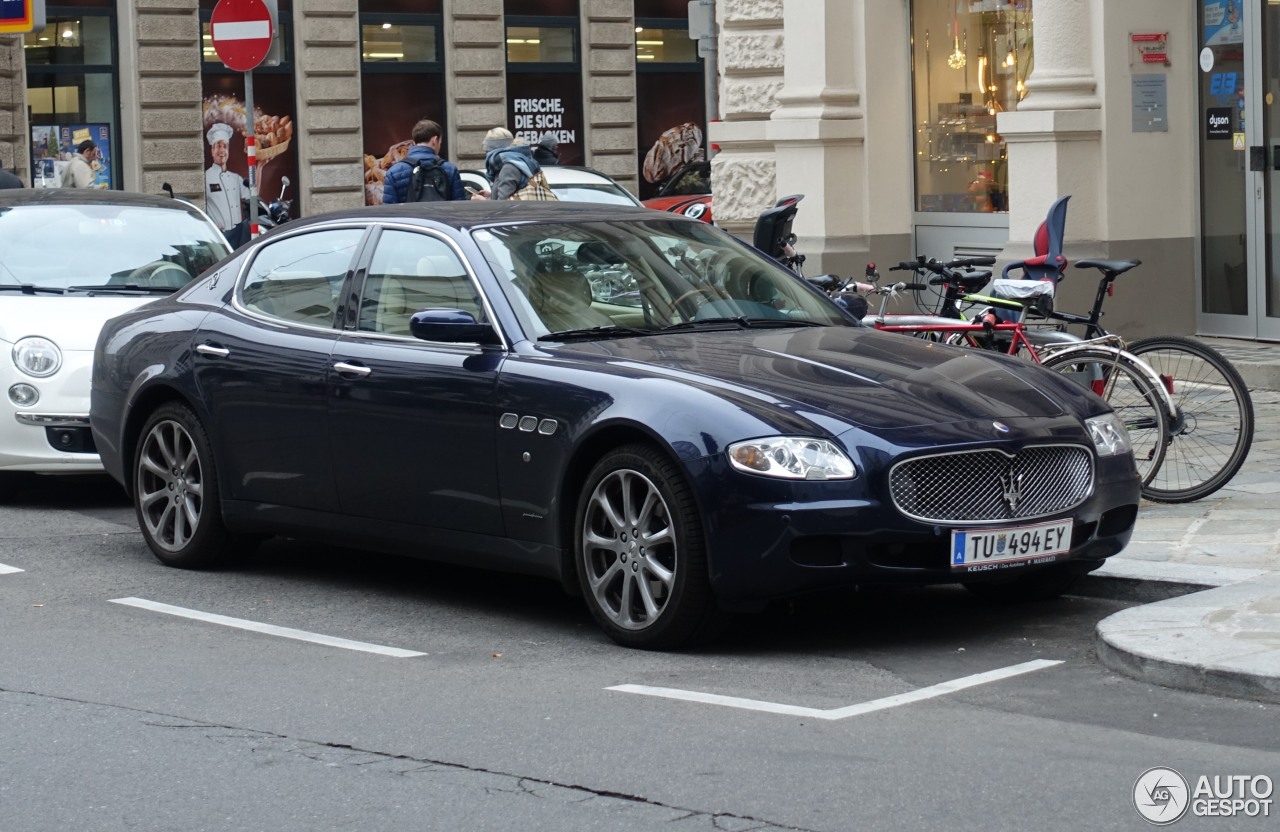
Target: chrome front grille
990, 485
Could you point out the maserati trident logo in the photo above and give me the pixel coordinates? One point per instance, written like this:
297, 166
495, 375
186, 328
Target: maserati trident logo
1012, 484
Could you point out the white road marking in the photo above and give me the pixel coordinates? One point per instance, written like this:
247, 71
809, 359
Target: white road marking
8, 570
269, 629
940, 689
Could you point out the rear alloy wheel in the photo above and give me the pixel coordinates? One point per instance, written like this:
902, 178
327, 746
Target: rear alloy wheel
175, 490
641, 557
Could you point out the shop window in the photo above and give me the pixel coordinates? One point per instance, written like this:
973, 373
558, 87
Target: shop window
401, 51
670, 105
274, 124
970, 61
665, 45
397, 43
544, 74
542, 44
72, 90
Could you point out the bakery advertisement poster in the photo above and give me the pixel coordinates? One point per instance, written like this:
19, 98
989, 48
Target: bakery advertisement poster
388, 123
274, 140
545, 102
669, 126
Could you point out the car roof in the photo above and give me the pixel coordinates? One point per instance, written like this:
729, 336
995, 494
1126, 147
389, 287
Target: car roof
468, 213
87, 196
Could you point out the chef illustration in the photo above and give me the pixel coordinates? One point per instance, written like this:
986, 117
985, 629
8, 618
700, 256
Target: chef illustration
225, 190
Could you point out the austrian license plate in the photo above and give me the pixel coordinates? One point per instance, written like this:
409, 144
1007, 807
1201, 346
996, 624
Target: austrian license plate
980, 550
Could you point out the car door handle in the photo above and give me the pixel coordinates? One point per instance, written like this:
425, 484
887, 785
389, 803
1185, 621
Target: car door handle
344, 367
216, 352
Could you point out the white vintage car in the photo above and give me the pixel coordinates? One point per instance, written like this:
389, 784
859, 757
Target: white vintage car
70, 260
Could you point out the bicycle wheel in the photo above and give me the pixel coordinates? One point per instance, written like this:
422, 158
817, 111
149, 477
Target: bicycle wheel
1131, 395
1211, 434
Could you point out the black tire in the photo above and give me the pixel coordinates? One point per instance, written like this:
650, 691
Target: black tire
1210, 437
10, 482
175, 491
1131, 395
640, 552
1043, 584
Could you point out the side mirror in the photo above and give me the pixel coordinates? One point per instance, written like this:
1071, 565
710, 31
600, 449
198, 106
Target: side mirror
450, 326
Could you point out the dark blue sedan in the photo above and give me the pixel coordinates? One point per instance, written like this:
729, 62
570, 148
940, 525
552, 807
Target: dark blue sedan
631, 402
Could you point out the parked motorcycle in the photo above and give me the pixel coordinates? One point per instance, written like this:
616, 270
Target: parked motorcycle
269, 216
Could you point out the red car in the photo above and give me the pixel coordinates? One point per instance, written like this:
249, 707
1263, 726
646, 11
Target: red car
687, 191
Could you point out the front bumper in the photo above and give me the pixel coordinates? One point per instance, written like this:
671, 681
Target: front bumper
52, 435
760, 549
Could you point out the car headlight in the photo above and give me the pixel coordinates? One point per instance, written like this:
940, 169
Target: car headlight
37, 357
792, 458
1109, 435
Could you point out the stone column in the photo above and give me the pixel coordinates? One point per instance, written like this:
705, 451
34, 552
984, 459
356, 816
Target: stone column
818, 132
15, 141
609, 79
328, 137
1054, 137
161, 125
475, 76
743, 173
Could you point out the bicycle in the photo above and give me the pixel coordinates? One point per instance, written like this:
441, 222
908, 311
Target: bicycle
1211, 419
1133, 390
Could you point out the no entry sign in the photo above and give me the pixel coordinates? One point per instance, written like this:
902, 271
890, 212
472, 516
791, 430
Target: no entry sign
242, 31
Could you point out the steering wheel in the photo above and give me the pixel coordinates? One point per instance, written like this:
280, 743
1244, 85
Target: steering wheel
706, 293
152, 274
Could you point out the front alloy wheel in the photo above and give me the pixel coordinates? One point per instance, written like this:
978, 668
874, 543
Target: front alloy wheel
175, 491
641, 559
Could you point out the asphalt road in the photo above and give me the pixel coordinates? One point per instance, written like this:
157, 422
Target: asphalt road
117, 716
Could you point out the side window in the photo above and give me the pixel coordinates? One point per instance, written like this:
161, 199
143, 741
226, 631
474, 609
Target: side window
299, 278
411, 272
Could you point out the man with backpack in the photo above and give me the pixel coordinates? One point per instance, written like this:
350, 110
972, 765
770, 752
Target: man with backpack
422, 176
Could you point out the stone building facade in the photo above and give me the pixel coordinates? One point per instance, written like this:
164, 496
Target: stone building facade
819, 98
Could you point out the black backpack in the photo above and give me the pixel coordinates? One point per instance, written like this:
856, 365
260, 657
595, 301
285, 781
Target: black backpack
428, 183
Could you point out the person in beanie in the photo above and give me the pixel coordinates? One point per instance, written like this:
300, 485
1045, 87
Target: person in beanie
8, 180
510, 166
79, 171
546, 151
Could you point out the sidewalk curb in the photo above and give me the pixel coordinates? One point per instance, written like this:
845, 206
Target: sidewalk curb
1218, 641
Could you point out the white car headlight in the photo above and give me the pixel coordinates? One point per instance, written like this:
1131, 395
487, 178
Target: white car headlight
792, 458
37, 356
1109, 435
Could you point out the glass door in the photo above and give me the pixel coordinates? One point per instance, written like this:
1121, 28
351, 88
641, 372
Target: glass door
1239, 156
1265, 279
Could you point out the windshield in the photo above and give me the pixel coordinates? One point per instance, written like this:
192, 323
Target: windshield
98, 245
643, 276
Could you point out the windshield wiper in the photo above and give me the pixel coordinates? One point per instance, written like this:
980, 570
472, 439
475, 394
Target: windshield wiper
740, 320
31, 289
594, 332
124, 288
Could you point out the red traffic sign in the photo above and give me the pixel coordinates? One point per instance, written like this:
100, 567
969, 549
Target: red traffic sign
242, 31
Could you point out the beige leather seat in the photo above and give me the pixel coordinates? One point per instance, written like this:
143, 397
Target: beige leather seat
563, 301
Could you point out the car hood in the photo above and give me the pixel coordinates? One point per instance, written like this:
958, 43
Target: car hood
70, 321
863, 377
